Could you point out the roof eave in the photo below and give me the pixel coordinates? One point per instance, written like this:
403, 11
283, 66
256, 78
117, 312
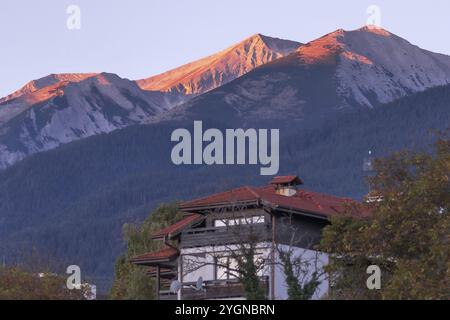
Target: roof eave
300, 212
150, 262
218, 205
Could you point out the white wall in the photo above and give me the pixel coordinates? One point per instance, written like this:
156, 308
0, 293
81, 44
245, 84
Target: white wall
190, 256
307, 256
206, 260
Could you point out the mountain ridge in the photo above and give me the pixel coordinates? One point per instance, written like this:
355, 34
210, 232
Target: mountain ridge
328, 98
342, 70
54, 95
268, 78
217, 69
67, 111
35, 85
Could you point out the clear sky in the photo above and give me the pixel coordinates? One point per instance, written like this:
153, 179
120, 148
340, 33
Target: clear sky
140, 38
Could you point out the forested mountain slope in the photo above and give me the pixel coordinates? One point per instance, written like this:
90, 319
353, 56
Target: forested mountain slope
71, 202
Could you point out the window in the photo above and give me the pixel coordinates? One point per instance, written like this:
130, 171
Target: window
219, 223
258, 219
239, 221
225, 268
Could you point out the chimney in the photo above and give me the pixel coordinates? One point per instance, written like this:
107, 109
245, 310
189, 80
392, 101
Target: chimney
286, 185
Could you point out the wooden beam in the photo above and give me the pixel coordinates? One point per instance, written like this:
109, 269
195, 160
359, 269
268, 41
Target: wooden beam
272, 269
158, 281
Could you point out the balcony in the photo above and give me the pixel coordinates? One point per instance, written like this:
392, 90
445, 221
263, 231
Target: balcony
219, 289
201, 237
167, 295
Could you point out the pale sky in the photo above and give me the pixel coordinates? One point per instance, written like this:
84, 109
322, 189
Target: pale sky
140, 38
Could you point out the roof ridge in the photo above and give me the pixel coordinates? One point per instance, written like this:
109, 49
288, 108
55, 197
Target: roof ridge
210, 195
303, 201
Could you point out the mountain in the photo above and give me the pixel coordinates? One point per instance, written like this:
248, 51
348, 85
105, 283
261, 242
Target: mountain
333, 99
211, 72
71, 202
377, 66
341, 71
36, 91
258, 78
49, 80
60, 109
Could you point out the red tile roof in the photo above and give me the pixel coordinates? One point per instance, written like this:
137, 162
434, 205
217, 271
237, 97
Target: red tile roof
306, 201
286, 180
177, 227
239, 195
166, 254
303, 201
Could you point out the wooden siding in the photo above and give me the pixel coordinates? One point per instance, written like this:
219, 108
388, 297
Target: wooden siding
201, 237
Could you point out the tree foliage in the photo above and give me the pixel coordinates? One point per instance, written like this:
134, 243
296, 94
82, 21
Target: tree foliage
73, 200
248, 267
131, 281
19, 284
407, 235
296, 289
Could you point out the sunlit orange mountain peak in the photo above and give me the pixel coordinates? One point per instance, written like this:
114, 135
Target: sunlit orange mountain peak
352, 45
46, 81
375, 29
215, 70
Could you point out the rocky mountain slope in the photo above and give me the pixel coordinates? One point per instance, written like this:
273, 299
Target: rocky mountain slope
49, 80
343, 70
61, 108
64, 111
211, 72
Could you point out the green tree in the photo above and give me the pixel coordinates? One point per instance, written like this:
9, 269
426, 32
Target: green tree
296, 288
248, 267
130, 281
407, 235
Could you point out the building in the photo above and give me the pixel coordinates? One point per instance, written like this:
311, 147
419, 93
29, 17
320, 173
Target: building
200, 252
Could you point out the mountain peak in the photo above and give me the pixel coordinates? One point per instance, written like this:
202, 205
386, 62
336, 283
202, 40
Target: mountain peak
342, 42
366, 29
222, 67
375, 29
337, 32
256, 36
282, 47
323, 49
47, 81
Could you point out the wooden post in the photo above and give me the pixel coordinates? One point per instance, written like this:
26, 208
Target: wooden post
272, 269
158, 281
180, 276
